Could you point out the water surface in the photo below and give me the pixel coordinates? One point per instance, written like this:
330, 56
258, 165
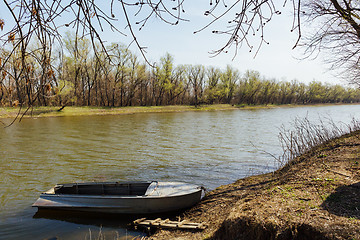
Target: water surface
205, 148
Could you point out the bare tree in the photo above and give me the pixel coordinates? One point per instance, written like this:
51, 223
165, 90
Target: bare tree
35, 21
336, 32
196, 77
42, 20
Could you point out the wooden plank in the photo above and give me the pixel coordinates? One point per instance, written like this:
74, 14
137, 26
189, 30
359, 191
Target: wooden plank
159, 223
139, 220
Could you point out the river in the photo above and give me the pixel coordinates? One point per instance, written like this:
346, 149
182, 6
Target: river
205, 148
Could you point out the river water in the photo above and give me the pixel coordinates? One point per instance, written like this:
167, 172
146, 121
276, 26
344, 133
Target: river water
205, 148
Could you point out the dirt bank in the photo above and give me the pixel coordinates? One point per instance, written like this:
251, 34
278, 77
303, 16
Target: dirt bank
316, 197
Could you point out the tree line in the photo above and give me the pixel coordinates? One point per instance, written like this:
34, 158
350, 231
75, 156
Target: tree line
77, 76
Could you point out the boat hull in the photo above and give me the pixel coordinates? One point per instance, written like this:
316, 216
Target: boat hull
119, 204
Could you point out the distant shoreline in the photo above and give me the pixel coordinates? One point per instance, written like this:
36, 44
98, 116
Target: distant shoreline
36, 112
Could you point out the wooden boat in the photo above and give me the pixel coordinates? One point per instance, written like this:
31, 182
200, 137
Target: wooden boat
121, 197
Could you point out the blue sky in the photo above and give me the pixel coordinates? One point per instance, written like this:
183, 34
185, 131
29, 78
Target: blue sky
276, 60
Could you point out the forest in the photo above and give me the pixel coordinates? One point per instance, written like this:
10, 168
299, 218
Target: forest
74, 75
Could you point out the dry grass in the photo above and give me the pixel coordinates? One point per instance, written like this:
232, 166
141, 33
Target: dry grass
306, 135
316, 198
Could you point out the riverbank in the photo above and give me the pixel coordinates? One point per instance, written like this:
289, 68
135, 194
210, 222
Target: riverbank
315, 197
9, 112
36, 112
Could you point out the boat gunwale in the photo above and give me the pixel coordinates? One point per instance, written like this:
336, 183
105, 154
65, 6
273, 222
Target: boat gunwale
117, 196
193, 189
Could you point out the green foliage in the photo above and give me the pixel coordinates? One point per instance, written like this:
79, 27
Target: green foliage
119, 79
229, 79
65, 88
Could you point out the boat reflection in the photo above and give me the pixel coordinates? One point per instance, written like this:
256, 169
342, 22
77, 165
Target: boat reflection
100, 219
87, 218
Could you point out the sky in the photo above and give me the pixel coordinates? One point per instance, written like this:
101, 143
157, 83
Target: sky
276, 60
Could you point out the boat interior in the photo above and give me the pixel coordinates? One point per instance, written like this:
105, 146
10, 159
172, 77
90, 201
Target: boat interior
106, 188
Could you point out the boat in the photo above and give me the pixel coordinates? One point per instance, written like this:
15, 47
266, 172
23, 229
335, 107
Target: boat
121, 197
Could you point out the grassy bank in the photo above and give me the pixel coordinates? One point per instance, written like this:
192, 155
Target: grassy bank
316, 197
12, 112
87, 111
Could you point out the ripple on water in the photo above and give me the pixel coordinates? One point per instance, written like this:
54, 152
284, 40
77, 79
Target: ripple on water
205, 148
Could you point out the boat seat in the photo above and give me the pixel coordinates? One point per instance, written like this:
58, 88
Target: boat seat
151, 189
